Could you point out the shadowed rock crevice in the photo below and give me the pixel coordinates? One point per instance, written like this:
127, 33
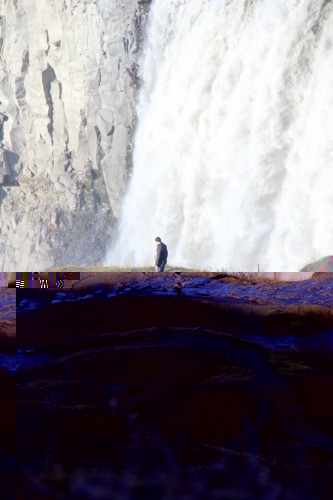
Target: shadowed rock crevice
49, 76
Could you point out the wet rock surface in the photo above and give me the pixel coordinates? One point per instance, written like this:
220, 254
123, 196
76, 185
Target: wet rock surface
150, 396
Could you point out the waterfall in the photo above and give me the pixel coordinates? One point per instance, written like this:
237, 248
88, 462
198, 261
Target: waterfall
233, 152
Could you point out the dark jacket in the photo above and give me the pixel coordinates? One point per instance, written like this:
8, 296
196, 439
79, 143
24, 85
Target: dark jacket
161, 254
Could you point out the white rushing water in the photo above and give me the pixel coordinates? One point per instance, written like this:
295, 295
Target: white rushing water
233, 157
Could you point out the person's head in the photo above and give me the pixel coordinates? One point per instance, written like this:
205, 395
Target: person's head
158, 240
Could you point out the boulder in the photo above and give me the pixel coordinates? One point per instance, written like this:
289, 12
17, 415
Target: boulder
325, 264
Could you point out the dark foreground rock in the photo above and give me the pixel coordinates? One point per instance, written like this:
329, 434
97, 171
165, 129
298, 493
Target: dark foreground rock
8, 474
52, 324
166, 412
7, 345
7, 321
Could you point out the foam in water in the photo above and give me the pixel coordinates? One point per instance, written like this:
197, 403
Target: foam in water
233, 150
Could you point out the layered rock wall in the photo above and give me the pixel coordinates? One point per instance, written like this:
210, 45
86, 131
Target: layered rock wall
68, 83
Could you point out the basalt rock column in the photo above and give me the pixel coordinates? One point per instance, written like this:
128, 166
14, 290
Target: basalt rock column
68, 83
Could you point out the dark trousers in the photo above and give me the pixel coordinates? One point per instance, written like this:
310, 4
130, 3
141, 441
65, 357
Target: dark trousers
160, 269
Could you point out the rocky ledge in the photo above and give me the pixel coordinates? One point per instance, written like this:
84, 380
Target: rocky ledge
152, 396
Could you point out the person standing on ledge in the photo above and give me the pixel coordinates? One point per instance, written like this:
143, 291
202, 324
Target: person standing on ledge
161, 255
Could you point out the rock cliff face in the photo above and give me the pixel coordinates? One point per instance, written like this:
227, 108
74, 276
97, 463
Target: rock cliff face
68, 83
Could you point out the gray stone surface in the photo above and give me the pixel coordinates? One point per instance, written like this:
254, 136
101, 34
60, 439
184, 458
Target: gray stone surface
68, 83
